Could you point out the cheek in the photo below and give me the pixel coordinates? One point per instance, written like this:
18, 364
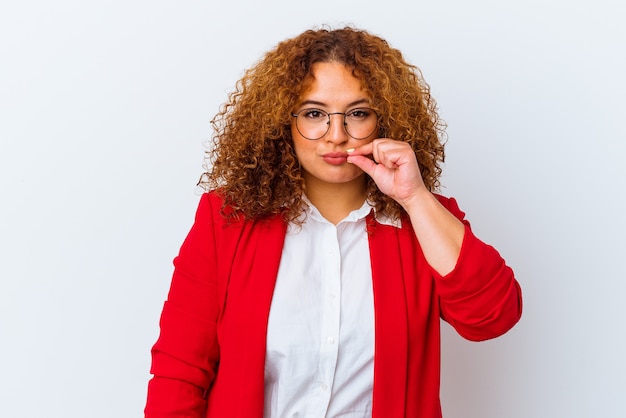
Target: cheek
303, 151
301, 145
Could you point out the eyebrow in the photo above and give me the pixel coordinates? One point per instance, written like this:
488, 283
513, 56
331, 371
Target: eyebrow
322, 104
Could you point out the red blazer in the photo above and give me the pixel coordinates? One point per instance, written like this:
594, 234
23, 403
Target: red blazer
210, 356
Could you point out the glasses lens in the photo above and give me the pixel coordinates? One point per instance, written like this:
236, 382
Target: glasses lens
312, 123
359, 123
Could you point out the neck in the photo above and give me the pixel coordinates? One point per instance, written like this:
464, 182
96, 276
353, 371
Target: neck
336, 201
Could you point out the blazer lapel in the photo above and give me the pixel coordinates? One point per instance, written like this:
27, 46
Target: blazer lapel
391, 332
245, 313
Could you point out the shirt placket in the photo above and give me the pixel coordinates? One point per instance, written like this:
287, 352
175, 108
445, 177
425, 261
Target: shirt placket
329, 337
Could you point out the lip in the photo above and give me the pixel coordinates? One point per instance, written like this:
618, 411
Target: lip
335, 158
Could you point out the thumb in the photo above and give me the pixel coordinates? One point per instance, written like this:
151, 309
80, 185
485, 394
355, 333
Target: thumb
363, 162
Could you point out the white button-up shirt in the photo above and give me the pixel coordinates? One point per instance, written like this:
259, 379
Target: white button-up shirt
320, 339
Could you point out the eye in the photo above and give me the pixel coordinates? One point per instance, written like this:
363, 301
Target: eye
314, 114
359, 114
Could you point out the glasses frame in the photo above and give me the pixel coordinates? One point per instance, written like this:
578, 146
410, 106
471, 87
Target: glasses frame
345, 124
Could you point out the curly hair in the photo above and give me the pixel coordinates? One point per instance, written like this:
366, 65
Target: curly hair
252, 161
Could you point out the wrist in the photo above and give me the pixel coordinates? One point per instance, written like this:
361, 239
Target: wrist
418, 200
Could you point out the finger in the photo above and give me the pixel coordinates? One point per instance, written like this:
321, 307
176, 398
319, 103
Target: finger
386, 154
384, 148
365, 149
363, 162
392, 154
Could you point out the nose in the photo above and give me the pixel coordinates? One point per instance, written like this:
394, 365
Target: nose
337, 130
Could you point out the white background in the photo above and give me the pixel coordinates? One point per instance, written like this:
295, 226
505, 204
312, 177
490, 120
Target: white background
104, 109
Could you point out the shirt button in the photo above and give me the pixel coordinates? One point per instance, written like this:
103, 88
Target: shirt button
323, 387
330, 340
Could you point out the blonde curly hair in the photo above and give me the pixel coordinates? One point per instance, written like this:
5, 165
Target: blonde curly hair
252, 162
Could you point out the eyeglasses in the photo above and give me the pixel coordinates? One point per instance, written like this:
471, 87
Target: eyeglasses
314, 123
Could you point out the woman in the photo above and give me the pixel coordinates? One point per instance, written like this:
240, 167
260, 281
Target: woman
313, 280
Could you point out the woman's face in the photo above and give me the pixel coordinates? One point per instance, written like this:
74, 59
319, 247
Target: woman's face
323, 161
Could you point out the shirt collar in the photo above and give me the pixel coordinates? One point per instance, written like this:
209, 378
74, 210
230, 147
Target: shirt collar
355, 215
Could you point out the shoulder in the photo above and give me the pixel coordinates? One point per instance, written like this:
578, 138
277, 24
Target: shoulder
214, 207
211, 204
213, 212
215, 202
212, 199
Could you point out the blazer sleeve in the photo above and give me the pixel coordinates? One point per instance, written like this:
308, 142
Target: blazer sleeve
185, 356
480, 297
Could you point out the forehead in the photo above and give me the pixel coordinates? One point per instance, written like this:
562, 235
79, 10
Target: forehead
332, 82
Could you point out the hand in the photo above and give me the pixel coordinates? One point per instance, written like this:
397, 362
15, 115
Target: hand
396, 173
394, 168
